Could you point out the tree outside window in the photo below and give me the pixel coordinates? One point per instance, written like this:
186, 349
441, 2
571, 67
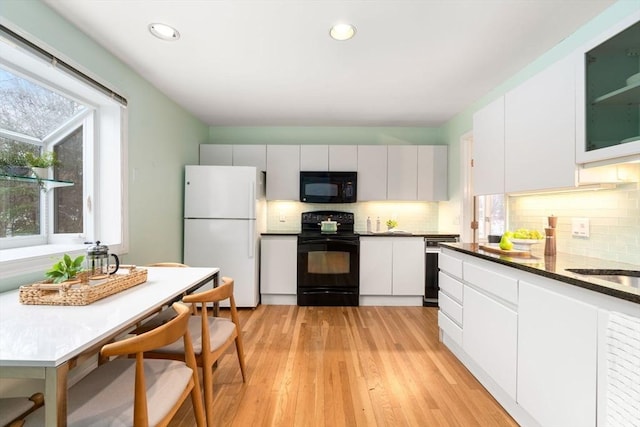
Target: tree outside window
34, 118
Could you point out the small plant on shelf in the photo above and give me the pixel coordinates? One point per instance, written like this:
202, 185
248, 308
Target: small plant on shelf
65, 269
14, 163
45, 160
392, 223
41, 163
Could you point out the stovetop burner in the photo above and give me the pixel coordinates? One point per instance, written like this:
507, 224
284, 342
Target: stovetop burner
311, 222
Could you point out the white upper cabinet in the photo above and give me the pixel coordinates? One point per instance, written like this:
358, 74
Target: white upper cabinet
314, 158
250, 155
234, 155
608, 95
402, 172
488, 149
283, 172
432, 173
216, 154
372, 172
540, 130
343, 158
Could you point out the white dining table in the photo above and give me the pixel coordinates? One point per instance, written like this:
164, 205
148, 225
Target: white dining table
45, 341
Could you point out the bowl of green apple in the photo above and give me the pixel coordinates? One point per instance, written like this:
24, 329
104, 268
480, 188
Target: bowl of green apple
523, 239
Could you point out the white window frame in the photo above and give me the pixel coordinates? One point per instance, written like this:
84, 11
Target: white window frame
105, 191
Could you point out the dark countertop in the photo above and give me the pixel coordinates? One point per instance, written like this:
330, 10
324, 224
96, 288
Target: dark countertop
554, 268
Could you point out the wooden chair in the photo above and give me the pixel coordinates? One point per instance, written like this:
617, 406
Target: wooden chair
160, 386
167, 264
13, 410
212, 337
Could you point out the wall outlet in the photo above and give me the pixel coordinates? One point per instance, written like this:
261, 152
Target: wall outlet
580, 227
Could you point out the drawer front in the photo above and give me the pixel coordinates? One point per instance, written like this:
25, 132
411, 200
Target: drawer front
491, 338
450, 328
450, 286
449, 307
494, 283
451, 265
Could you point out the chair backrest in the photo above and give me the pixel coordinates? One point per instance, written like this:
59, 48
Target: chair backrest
167, 264
165, 334
217, 294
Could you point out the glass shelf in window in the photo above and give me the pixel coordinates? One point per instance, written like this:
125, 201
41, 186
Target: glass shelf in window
48, 184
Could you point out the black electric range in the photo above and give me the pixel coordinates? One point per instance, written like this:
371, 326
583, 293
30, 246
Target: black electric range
328, 263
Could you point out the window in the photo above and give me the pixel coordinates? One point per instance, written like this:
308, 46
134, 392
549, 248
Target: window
48, 106
35, 120
491, 215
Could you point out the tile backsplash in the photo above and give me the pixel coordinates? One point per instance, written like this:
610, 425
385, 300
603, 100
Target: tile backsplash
414, 217
614, 220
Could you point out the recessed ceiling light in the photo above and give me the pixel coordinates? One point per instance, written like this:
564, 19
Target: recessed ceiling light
164, 31
342, 32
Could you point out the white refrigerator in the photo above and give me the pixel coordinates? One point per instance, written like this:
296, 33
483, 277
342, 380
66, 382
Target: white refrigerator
224, 214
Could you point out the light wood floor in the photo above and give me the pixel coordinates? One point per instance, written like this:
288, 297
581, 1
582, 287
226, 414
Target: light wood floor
346, 366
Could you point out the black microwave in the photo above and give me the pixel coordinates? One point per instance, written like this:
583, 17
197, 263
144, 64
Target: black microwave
328, 187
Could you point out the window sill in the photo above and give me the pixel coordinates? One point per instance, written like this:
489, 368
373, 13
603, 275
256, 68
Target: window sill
24, 261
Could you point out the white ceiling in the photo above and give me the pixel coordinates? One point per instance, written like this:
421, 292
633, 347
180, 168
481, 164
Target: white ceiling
271, 62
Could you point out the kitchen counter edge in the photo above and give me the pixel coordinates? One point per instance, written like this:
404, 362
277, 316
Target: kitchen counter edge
555, 269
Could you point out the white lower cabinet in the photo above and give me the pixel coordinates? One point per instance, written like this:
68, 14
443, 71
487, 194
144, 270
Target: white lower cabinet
376, 271
490, 337
540, 346
408, 266
392, 266
278, 268
557, 351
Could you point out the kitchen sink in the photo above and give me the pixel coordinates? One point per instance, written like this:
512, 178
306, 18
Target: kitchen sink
623, 277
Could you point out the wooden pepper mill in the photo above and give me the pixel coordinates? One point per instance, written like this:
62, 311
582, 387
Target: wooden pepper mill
550, 236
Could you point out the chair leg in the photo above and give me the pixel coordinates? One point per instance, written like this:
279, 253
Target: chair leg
198, 410
240, 351
207, 380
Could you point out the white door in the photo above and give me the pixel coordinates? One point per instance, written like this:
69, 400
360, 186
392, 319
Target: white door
220, 192
229, 245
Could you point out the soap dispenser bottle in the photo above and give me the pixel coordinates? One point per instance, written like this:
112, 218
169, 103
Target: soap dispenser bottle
378, 225
368, 224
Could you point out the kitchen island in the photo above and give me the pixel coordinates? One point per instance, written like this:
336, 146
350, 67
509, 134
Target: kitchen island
545, 342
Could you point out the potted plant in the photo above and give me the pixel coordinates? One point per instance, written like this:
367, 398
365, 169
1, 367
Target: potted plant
14, 163
65, 269
40, 164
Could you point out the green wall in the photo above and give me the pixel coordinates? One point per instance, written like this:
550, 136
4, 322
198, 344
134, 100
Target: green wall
162, 136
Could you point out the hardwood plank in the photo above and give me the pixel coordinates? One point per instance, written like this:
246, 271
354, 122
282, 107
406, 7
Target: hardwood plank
346, 366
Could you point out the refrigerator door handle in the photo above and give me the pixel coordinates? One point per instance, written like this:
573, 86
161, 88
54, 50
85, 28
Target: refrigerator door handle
252, 238
252, 200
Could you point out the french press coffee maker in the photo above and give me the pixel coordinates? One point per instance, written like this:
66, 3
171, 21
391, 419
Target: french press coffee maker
98, 260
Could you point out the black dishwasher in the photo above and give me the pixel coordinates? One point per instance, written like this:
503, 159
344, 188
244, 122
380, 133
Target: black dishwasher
432, 251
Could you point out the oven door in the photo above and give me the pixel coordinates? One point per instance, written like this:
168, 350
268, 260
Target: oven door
328, 266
